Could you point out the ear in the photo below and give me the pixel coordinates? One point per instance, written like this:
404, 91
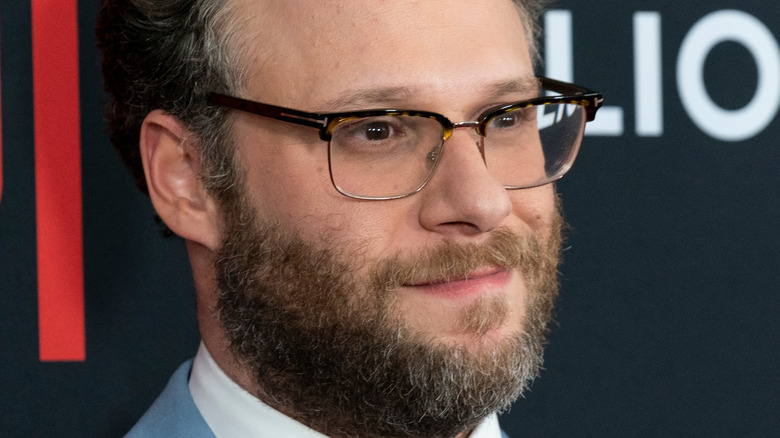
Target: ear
173, 167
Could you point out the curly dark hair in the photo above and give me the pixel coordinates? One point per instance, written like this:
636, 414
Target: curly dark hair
169, 55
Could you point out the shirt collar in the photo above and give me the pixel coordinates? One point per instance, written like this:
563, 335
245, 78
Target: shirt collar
230, 411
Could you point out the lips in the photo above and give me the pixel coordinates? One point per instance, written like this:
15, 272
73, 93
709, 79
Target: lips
483, 280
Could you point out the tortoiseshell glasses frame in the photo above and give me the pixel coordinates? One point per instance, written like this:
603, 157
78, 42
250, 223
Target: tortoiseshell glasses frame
372, 153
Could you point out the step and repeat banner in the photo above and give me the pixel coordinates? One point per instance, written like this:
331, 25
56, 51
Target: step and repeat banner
669, 318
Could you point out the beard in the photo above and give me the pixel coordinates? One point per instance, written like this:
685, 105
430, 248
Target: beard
326, 345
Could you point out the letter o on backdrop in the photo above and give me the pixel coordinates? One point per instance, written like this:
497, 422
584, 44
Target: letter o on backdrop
747, 30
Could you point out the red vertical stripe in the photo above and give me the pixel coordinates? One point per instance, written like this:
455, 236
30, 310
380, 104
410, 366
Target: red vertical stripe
58, 180
1, 139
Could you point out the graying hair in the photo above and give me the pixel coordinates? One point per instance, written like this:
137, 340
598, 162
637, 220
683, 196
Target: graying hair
530, 12
169, 55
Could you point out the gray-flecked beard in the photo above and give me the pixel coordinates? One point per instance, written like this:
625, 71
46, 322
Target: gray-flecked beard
329, 348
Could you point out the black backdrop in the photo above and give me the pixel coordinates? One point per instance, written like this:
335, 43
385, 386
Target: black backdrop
668, 320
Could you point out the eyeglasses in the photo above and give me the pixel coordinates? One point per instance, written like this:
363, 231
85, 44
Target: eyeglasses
388, 154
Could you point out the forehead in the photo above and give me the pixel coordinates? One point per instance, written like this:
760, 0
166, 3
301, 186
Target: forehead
310, 54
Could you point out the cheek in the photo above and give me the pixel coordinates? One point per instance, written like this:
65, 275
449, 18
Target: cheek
298, 194
288, 182
535, 207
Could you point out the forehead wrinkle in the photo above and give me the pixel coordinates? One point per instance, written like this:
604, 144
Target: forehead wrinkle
363, 99
402, 96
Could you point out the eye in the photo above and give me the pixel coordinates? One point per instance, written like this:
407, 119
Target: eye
513, 119
505, 120
376, 130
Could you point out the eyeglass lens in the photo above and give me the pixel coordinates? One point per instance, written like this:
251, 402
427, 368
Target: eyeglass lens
395, 155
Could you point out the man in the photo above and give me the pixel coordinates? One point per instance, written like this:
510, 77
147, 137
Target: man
363, 265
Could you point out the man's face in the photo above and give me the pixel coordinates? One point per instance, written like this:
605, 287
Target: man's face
461, 270
440, 56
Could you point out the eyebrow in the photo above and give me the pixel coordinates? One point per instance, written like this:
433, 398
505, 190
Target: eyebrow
384, 96
526, 86
368, 97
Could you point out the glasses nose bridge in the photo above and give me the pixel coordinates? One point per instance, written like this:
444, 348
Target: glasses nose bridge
467, 124
479, 141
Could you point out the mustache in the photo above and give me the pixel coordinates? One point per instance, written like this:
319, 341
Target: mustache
504, 249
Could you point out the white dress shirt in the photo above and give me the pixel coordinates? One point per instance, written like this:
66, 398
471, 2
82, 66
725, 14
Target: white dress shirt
231, 412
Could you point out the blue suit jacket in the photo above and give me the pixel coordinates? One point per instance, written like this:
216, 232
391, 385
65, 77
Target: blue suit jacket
174, 414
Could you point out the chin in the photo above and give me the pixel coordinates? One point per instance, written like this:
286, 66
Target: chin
484, 327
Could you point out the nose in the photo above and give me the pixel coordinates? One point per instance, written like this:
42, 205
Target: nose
462, 197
